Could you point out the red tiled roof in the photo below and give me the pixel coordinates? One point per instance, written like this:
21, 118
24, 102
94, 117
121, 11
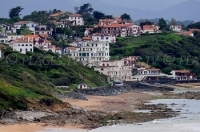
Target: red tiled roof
72, 48
193, 29
117, 25
86, 38
182, 71
31, 36
58, 48
90, 29
57, 14
75, 15
24, 22
187, 33
99, 34
148, 27
44, 35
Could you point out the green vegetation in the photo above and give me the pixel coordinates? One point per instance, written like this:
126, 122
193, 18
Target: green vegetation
164, 51
35, 75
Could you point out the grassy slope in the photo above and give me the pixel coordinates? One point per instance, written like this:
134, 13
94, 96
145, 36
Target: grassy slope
35, 76
165, 51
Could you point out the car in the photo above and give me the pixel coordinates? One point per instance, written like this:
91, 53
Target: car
118, 83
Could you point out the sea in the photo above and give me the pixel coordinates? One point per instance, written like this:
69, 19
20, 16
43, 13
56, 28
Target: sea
187, 121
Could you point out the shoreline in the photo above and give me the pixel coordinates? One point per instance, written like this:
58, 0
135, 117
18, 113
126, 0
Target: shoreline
97, 107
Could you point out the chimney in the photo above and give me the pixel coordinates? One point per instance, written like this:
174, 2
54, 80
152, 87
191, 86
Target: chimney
28, 39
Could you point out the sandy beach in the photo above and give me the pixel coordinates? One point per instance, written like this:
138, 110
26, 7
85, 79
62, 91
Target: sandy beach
33, 127
126, 101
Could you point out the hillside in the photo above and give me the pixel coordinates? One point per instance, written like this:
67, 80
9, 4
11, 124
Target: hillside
164, 51
35, 75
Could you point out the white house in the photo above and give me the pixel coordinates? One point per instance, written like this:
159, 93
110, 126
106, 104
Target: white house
181, 75
144, 71
9, 29
43, 29
22, 45
3, 38
77, 19
30, 24
136, 30
89, 52
115, 70
176, 28
150, 29
58, 50
82, 86
13, 37
103, 37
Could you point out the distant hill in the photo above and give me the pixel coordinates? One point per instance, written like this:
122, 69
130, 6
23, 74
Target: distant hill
195, 25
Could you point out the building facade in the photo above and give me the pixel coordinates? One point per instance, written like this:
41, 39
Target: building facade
43, 29
22, 45
103, 37
77, 19
29, 24
180, 75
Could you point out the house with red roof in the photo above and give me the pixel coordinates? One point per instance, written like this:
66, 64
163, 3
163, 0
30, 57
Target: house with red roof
181, 75
176, 28
150, 29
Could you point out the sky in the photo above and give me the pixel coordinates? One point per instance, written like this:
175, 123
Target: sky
68, 5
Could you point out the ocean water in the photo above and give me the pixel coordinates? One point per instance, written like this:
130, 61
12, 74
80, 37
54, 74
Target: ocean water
187, 121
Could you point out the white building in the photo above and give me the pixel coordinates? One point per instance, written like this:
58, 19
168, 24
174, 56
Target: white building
88, 31
82, 86
13, 37
77, 19
136, 30
181, 75
103, 37
176, 28
22, 45
150, 29
30, 24
3, 38
43, 29
89, 52
9, 29
115, 70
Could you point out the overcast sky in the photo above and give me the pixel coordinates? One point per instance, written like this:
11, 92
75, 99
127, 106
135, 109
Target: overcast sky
68, 5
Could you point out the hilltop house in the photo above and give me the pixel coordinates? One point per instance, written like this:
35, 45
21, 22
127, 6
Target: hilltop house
7, 28
22, 45
181, 75
150, 29
186, 33
59, 15
77, 19
176, 28
43, 29
29, 24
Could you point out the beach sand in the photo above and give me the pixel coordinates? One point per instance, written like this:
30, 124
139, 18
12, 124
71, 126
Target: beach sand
126, 101
33, 127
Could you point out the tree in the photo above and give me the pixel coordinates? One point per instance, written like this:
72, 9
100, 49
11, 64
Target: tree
25, 31
98, 15
163, 24
84, 9
108, 16
173, 21
146, 23
125, 17
15, 12
38, 16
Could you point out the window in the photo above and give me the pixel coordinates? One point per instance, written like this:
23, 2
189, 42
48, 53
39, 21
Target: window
26, 44
26, 49
20, 50
106, 38
31, 49
101, 69
18, 44
30, 45
22, 44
